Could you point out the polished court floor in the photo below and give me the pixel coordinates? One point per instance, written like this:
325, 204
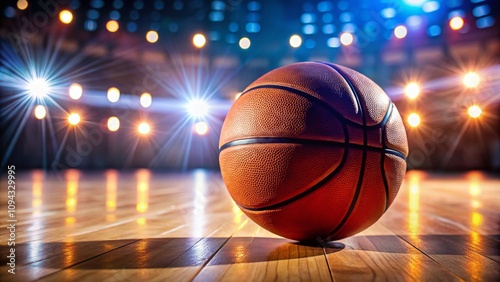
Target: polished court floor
149, 225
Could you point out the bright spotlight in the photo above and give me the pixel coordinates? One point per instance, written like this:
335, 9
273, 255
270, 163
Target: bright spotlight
152, 36
346, 38
456, 23
40, 112
112, 26
146, 100
74, 118
75, 91
474, 111
413, 119
66, 17
295, 41
39, 88
244, 43
400, 31
201, 128
197, 108
471, 80
412, 90
113, 124
144, 128
113, 94
199, 40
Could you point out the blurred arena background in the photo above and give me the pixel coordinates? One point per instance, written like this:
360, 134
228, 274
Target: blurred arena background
128, 84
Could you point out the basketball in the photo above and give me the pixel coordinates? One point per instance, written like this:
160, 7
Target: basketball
313, 151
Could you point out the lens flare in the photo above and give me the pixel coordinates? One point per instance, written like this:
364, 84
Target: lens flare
74, 119
346, 39
66, 17
471, 80
400, 32
113, 124
295, 41
244, 43
412, 90
152, 36
197, 108
199, 40
75, 91
40, 112
113, 94
146, 100
456, 23
38, 87
201, 128
144, 128
414, 120
474, 111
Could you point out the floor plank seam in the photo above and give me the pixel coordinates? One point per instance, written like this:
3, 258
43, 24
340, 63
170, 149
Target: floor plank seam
328, 265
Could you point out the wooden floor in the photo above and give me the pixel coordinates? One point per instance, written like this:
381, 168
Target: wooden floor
143, 225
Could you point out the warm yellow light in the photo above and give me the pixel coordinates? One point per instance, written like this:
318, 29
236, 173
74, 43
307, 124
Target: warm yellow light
75, 91
66, 16
244, 43
112, 26
346, 38
40, 112
414, 120
113, 124
295, 41
144, 128
113, 94
238, 95
471, 80
412, 90
22, 4
146, 100
201, 128
199, 40
152, 36
474, 111
74, 118
456, 23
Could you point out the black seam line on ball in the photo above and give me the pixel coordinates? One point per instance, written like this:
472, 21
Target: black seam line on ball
363, 158
289, 140
382, 158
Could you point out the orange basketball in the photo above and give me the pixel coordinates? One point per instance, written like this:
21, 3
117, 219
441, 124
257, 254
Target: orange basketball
313, 150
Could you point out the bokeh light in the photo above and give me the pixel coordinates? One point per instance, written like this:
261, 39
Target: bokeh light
474, 111
199, 40
74, 119
414, 120
412, 90
146, 100
113, 124
201, 128
38, 87
66, 17
456, 23
295, 41
112, 26
22, 4
346, 38
40, 112
152, 36
144, 128
471, 80
75, 91
197, 108
113, 94
244, 43
400, 31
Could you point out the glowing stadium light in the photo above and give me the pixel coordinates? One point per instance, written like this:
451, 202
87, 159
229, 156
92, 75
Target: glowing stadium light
400, 31
40, 112
201, 128
112, 26
295, 41
152, 36
414, 120
199, 40
38, 87
244, 43
144, 128
66, 17
74, 119
474, 111
471, 80
412, 90
113, 124
113, 94
75, 91
146, 100
237, 96
197, 108
22, 4
456, 23
346, 38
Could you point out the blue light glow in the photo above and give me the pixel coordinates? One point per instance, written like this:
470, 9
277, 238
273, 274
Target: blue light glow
308, 18
233, 27
252, 27
90, 25
214, 35
231, 38
159, 5
325, 6
343, 5
328, 29
434, 30
456, 13
309, 29
481, 11
218, 5
114, 15
333, 42
414, 2
131, 26
138, 4
485, 22
9, 12
118, 4
346, 17
430, 6
327, 18
253, 17
388, 13
93, 14
216, 16
310, 43
454, 3
253, 6
476, 1
414, 21
97, 4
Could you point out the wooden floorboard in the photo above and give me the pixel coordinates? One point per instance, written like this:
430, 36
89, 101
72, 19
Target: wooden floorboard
145, 225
